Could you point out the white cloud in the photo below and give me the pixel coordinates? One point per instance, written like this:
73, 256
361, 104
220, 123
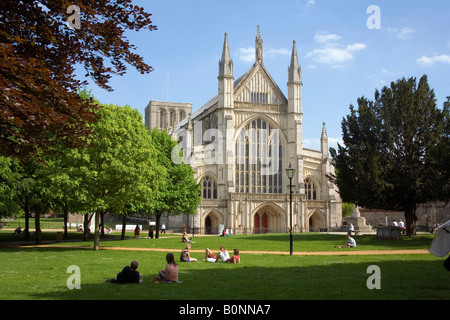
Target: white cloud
332, 52
428, 61
331, 55
248, 54
309, 4
275, 52
326, 38
403, 33
355, 47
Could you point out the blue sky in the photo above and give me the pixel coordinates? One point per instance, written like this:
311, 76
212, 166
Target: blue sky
341, 57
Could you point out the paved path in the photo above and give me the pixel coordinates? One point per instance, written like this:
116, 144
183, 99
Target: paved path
296, 253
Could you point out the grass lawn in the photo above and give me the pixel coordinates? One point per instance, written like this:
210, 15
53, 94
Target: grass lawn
41, 273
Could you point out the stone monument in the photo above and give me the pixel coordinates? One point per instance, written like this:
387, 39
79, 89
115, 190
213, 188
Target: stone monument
358, 222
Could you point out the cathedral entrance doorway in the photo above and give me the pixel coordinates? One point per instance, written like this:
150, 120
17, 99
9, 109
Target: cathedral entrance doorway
267, 219
211, 223
317, 222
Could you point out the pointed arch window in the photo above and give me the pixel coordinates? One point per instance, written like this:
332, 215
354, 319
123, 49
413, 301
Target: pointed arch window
209, 187
310, 189
258, 154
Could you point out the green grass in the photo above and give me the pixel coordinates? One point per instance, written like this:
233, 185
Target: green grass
40, 273
309, 242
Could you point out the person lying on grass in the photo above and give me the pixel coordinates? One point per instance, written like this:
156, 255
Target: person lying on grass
209, 256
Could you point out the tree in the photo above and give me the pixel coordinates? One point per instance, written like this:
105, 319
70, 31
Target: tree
178, 191
395, 154
38, 56
30, 191
117, 169
8, 179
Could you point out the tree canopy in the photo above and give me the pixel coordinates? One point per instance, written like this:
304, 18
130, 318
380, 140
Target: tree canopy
39, 54
396, 150
179, 192
117, 171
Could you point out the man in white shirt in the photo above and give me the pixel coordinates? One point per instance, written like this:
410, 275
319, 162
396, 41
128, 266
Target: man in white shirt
401, 225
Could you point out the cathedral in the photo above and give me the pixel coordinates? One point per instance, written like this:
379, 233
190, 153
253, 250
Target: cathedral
240, 144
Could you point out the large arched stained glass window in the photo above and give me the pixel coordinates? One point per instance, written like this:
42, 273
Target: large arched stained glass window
258, 154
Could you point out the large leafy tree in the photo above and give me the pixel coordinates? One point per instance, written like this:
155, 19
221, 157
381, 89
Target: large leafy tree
396, 150
178, 191
39, 54
117, 171
8, 179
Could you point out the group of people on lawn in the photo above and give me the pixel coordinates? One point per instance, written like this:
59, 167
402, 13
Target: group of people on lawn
129, 274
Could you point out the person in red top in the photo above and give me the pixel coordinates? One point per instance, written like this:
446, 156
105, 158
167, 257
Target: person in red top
137, 231
235, 258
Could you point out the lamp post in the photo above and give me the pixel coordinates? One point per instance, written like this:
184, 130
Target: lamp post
290, 174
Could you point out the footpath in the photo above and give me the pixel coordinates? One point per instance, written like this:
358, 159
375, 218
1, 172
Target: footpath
343, 251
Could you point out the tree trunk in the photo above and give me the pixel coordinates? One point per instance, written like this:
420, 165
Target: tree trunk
102, 230
410, 220
158, 221
37, 223
66, 220
124, 226
86, 227
27, 221
97, 231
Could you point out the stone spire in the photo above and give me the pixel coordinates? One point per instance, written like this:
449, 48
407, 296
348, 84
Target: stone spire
295, 72
258, 48
226, 64
324, 142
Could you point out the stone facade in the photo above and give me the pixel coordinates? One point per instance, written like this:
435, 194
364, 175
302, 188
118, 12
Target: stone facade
240, 143
166, 115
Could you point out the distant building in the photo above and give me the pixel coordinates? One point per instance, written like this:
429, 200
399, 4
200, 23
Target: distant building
166, 115
241, 141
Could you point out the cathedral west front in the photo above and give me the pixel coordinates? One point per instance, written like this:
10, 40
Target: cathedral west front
240, 143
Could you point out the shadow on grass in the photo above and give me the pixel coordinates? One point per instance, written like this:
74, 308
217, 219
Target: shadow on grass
302, 278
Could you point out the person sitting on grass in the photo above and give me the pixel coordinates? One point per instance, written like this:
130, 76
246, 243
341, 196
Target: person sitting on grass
185, 238
186, 255
223, 255
351, 243
129, 274
170, 273
236, 258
